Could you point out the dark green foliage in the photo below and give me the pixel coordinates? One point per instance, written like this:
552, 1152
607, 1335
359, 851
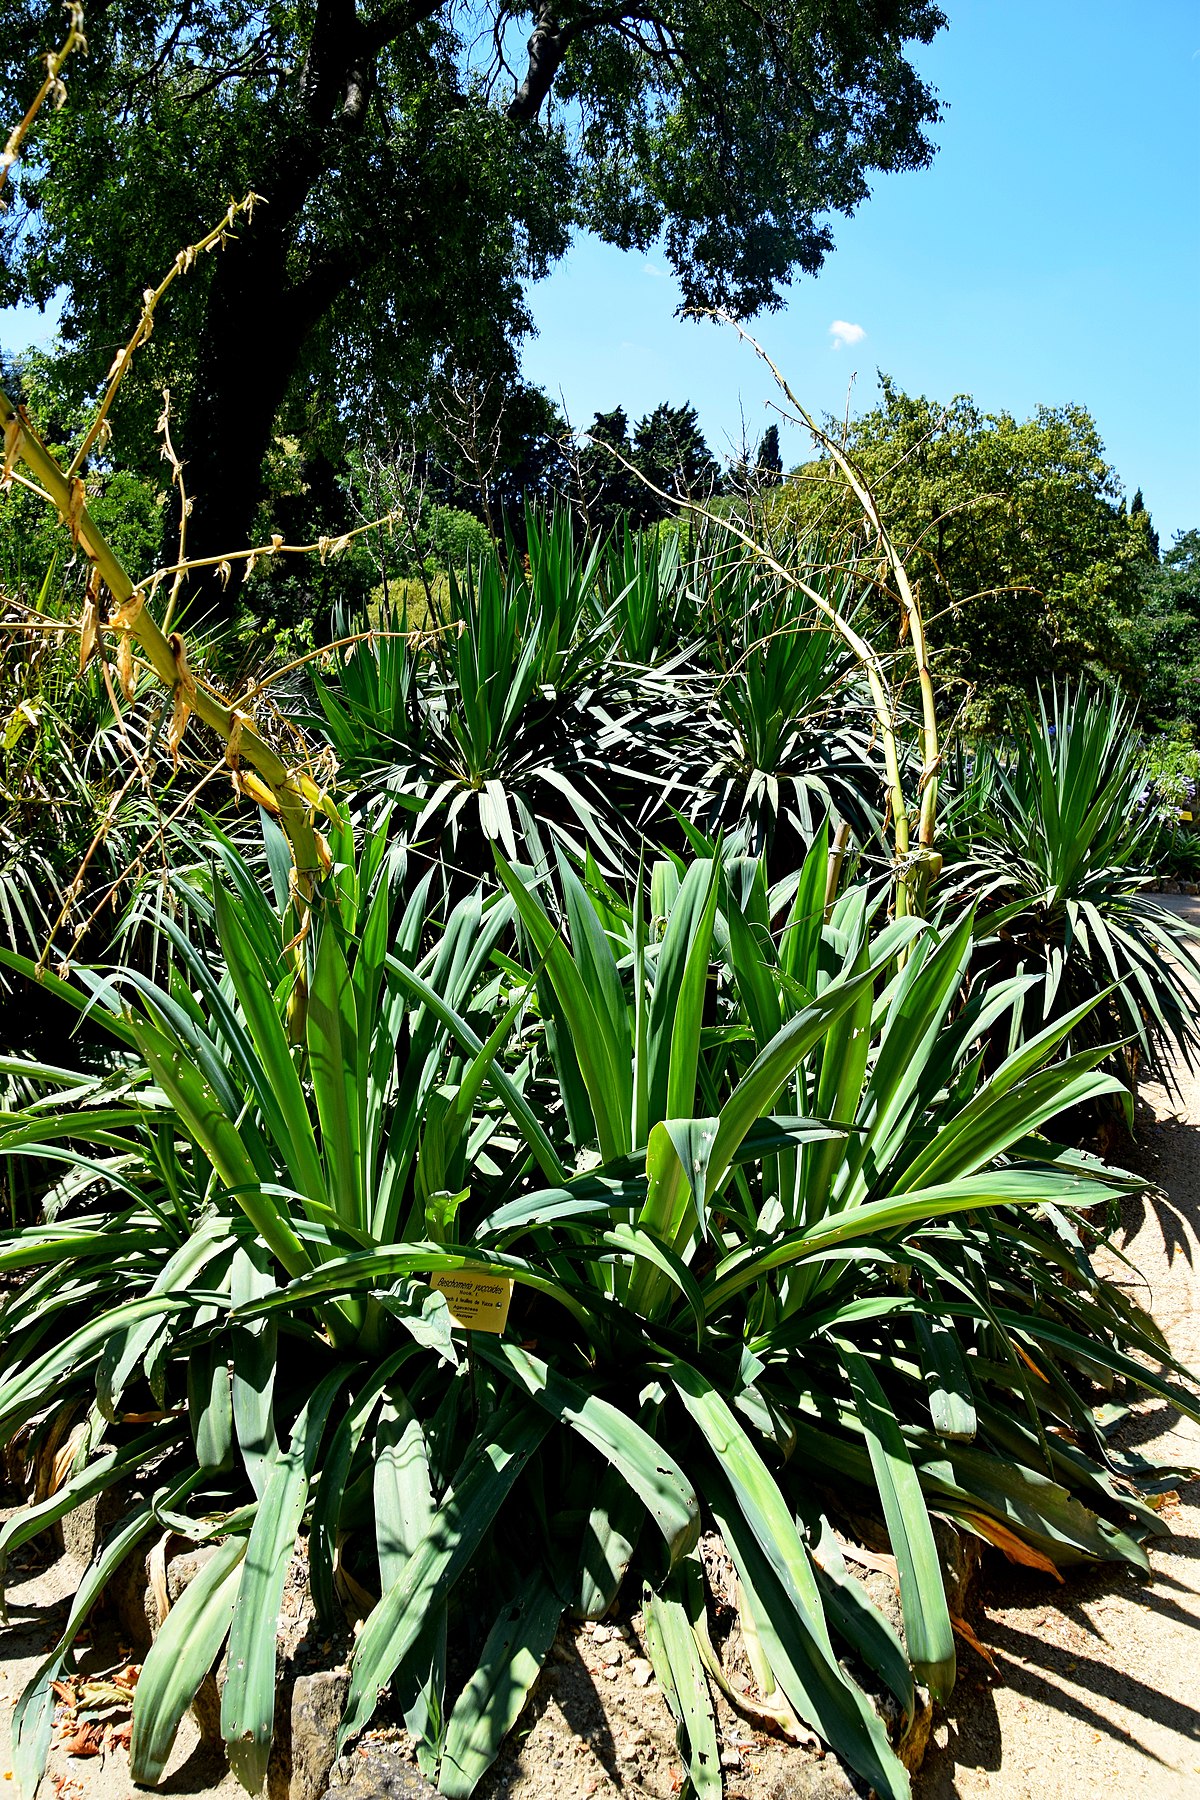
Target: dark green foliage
669, 451
768, 464
1027, 564
643, 478
410, 192
1057, 829
801, 1191
610, 492
788, 739
1164, 639
584, 695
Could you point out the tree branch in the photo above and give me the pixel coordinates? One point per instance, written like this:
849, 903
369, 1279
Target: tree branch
395, 21
549, 41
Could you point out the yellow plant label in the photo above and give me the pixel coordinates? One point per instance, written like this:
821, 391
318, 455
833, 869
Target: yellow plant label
476, 1302
1185, 818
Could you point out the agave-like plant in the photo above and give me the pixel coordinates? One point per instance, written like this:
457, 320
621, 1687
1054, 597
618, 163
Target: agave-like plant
492, 729
646, 598
788, 719
777, 1243
701, 1127
1054, 833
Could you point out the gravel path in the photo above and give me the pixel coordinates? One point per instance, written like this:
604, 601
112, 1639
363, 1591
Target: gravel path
1098, 1691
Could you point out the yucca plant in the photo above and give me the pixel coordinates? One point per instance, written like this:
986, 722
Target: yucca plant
777, 1244
789, 723
1053, 832
645, 597
491, 729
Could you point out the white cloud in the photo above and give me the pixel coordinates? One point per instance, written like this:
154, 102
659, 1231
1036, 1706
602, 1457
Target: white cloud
653, 269
843, 333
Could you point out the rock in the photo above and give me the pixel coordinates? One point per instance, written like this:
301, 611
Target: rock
959, 1555
88, 1524
611, 1653
131, 1590
811, 1780
183, 1570
641, 1670
206, 1707
369, 1774
315, 1713
913, 1745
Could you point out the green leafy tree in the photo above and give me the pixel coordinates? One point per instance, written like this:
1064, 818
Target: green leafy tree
1137, 510
1029, 565
669, 451
413, 181
769, 462
609, 489
1164, 640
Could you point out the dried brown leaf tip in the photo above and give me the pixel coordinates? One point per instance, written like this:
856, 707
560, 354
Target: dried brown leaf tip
89, 624
183, 697
125, 664
75, 506
233, 748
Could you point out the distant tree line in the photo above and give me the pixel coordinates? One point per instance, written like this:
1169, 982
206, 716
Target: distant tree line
1029, 562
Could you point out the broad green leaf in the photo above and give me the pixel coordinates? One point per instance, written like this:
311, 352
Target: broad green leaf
675, 1656
801, 1658
927, 1629
248, 1702
490, 1704
649, 1469
483, 1482
677, 999
332, 1032
185, 1649
947, 1381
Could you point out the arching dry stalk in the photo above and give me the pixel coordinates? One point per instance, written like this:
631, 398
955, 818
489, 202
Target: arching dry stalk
53, 87
930, 751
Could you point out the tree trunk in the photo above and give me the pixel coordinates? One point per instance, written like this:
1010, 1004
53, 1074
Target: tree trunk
249, 351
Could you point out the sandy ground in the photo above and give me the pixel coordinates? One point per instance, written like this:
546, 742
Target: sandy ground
1097, 1684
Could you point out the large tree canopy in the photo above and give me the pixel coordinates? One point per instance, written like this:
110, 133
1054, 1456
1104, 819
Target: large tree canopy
420, 160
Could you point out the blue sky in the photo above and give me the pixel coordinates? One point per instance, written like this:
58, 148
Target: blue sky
1050, 254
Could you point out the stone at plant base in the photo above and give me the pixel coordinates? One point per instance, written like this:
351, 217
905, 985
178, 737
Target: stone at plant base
87, 1525
370, 1774
959, 1554
825, 1780
316, 1711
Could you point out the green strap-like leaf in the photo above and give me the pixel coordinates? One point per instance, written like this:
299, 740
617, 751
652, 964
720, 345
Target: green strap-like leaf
805, 1667
675, 1656
248, 1703
927, 1627
489, 1469
490, 1704
332, 1031
650, 1470
185, 1649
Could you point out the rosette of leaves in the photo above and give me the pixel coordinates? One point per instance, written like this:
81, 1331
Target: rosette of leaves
787, 736
496, 727
793, 1149
1054, 832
